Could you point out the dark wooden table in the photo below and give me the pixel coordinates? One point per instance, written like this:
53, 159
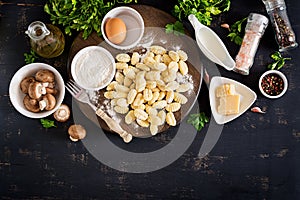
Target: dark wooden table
256, 157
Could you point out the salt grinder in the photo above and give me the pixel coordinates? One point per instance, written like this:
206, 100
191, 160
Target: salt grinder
255, 28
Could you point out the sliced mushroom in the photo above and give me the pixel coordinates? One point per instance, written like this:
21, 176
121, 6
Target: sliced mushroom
25, 84
76, 132
48, 102
36, 90
51, 91
62, 114
49, 85
31, 104
45, 75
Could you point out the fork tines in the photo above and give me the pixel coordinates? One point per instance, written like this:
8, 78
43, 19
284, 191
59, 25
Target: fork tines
72, 87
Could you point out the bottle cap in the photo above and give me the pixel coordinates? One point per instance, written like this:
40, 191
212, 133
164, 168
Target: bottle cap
272, 4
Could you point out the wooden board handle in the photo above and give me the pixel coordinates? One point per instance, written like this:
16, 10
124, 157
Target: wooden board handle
127, 137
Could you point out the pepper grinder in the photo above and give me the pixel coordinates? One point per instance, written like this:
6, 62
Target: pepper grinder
285, 35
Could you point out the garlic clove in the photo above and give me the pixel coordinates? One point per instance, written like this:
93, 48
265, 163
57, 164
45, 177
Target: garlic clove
257, 110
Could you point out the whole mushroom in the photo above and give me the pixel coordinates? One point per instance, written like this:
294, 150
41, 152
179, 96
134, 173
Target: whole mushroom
24, 85
62, 114
31, 104
76, 132
45, 75
48, 102
36, 90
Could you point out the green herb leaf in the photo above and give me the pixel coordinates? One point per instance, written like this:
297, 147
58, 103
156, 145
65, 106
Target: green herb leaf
47, 123
202, 9
198, 120
279, 61
30, 57
236, 31
80, 15
175, 28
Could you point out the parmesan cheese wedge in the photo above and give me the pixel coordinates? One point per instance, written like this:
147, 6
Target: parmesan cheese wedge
225, 90
229, 105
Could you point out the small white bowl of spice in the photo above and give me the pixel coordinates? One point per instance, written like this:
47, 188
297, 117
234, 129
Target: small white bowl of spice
122, 27
93, 68
273, 84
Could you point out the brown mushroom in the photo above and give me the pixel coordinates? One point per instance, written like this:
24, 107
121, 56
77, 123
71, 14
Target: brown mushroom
31, 104
62, 114
76, 132
49, 85
45, 75
51, 91
36, 90
25, 84
48, 102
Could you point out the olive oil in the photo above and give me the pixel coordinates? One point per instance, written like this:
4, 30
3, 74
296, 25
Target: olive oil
46, 40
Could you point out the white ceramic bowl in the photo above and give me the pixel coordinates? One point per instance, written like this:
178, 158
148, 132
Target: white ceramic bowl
93, 68
17, 96
134, 26
280, 74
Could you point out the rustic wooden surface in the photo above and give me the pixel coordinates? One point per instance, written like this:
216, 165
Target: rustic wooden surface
256, 157
147, 12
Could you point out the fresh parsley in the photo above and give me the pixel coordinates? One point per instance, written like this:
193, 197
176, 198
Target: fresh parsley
198, 120
204, 10
30, 57
236, 31
46, 123
279, 61
80, 15
175, 28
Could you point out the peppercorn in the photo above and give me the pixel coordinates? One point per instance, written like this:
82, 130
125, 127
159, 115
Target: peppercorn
272, 84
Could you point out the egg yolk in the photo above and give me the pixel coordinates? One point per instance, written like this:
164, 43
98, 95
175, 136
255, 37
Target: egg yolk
115, 30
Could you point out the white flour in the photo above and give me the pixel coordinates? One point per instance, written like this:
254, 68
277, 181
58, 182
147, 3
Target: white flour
93, 69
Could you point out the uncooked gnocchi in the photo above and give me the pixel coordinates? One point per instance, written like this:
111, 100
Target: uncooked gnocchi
147, 88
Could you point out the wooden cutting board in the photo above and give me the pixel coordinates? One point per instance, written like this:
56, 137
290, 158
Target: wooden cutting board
153, 17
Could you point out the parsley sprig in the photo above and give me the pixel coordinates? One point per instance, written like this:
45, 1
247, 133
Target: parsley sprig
236, 31
30, 57
204, 10
198, 120
175, 28
80, 15
46, 123
279, 61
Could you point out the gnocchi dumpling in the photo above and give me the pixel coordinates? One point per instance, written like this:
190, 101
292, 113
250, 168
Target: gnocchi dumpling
174, 56
121, 65
158, 49
180, 98
173, 107
140, 114
170, 119
131, 96
129, 118
153, 129
184, 87
142, 123
182, 55
159, 104
123, 57
121, 110
135, 58
183, 68
122, 102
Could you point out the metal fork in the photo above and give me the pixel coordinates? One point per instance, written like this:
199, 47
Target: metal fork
80, 94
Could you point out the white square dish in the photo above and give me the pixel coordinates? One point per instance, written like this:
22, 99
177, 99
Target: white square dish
247, 98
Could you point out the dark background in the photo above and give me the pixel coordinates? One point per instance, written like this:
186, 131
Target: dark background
256, 157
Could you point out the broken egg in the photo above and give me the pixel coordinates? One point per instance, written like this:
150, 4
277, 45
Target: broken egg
115, 30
